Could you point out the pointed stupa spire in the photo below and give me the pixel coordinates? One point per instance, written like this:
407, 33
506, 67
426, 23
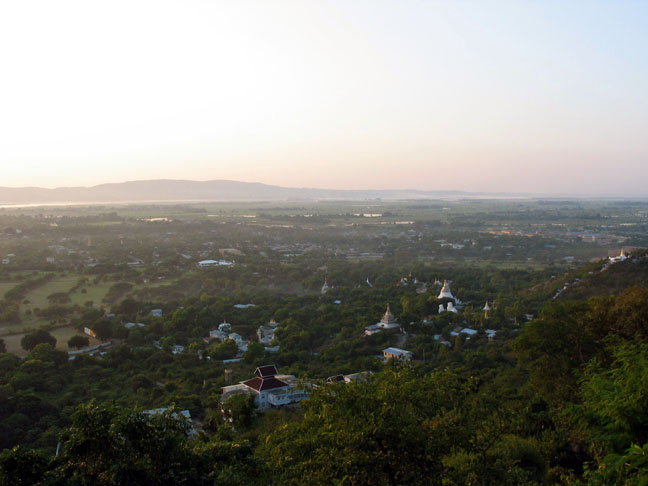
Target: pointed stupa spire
445, 291
388, 318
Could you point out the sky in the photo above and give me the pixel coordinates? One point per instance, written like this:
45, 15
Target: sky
498, 96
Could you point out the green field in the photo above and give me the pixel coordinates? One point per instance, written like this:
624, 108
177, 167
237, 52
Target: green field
93, 292
62, 335
6, 286
37, 299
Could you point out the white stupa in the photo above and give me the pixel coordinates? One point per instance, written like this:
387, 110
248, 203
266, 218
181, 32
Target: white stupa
325, 287
445, 291
388, 320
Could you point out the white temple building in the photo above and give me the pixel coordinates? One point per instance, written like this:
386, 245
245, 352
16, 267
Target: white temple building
445, 291
622, 256
388, 321
325, 287
450, 308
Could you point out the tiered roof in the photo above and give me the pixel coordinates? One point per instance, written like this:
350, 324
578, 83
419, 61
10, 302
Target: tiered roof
265, 379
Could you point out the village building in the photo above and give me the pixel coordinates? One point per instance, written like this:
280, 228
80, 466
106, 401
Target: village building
217, 334
130, 325
214, 263
185, 414
350, 378
465, 330
397, 354
270, 389
265, 335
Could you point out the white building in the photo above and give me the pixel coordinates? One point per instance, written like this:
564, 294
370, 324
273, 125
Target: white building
388, 321
265, 335
270, 390
450, 308
445, 291
130, 325
214, 263
218, 334
622, 257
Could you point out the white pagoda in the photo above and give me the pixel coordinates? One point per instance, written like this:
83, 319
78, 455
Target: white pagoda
388, 321
445, 291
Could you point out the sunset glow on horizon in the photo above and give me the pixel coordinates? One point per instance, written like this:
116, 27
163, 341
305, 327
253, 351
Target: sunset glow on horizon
497, 96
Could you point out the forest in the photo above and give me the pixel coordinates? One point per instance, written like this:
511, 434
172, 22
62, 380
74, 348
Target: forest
113, 360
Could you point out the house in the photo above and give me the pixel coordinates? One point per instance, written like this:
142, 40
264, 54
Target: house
218, 334
237, 338
270, 390
156, 312
265, 335
130, 325
362, 376
207, 263
465, 330
214, 263
185, 414
397, 354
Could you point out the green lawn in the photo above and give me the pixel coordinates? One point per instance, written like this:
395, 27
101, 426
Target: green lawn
93, 292
62, 335
38, 299
5, 287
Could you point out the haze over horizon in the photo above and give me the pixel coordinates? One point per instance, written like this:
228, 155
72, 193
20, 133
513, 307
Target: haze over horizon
471, 96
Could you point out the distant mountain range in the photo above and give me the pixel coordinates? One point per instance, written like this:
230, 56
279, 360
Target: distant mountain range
165, 190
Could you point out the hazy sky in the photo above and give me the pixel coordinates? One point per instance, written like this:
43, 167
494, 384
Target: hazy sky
534, 96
